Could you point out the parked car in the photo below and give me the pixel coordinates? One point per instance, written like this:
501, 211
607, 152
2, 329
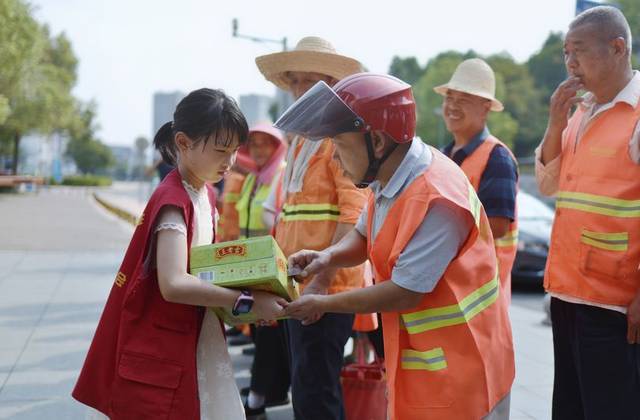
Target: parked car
535, 219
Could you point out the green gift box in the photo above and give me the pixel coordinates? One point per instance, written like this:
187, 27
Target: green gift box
249, 264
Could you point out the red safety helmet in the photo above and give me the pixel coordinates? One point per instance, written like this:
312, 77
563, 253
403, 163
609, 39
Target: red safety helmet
363, 102
359, 103
384, 103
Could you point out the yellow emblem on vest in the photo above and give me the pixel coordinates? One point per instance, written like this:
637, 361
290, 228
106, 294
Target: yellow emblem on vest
121, 279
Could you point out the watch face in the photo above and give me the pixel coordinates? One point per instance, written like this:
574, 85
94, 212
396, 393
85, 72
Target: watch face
243, 307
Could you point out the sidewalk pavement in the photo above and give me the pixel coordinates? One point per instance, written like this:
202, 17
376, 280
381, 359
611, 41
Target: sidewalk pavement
531, 393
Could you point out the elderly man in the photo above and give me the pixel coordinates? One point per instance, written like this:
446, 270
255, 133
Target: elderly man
320, 206
591, 162
488, 163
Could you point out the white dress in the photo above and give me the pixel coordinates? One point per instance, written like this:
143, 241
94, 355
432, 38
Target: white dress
217, 389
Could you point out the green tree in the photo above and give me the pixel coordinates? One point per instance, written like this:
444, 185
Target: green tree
547, 65
4, 108
21, 47
631, 10
407, 69
90, 154
37, 73
523, 120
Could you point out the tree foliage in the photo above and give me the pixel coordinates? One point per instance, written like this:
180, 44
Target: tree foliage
37, 73
631, 10
90, 154
523, 88
407, 69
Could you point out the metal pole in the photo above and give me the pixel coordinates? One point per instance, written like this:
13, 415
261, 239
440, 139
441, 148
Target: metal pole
236, 34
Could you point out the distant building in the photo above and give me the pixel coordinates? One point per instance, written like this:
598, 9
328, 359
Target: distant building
256, 107
44, 156
164, 104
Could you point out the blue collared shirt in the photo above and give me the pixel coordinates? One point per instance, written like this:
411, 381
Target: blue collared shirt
436, 241
499, 182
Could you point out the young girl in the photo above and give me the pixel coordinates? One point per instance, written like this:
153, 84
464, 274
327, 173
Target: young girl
156, 352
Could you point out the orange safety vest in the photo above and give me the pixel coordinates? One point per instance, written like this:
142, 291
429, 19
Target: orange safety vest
229, 224
595, 241
309, 218
506, 246
451, 357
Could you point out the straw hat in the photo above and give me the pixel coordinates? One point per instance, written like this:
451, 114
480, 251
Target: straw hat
312, 54
475, 77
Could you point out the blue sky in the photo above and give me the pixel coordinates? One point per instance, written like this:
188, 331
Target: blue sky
130, 49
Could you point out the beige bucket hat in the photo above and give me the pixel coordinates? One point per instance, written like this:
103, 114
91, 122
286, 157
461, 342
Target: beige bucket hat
312, 54
475, 77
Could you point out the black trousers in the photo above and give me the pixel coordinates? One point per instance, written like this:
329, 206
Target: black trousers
317, 353
270, 369
597, 373
376, 337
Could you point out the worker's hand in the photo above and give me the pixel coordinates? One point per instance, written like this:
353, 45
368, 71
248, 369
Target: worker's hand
562, 100
310, 262
267, 306
633, 321
307, 308
315, 287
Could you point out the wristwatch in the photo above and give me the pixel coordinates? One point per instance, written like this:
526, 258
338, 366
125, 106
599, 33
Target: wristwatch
243, 304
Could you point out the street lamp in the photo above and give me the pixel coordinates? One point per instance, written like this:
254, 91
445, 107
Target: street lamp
283, 99
235, 34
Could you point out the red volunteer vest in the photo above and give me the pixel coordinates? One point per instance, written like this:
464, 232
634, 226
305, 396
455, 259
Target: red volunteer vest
142, 360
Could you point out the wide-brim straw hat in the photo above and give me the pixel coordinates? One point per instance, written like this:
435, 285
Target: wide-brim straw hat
475, 77
311, 54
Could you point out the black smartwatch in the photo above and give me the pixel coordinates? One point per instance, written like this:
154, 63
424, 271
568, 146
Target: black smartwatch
243, 304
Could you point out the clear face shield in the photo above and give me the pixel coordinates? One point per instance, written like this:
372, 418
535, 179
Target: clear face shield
319, 114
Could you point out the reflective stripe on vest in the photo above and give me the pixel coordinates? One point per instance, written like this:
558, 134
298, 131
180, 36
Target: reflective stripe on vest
423, 360
599, 204
460, 313
474, 204
255, 232
231, 197
310, 212
609, 241
250, 210
508, 240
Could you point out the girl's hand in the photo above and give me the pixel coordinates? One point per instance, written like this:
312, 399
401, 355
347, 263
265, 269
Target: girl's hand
267, 306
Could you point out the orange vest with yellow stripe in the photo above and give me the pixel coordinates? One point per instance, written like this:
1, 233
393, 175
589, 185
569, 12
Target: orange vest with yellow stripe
309, 217
595, 241
451, 357
506, 246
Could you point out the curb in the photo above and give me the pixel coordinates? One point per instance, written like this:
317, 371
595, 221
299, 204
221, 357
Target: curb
121, 213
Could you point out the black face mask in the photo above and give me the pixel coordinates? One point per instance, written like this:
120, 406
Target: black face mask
374, 164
